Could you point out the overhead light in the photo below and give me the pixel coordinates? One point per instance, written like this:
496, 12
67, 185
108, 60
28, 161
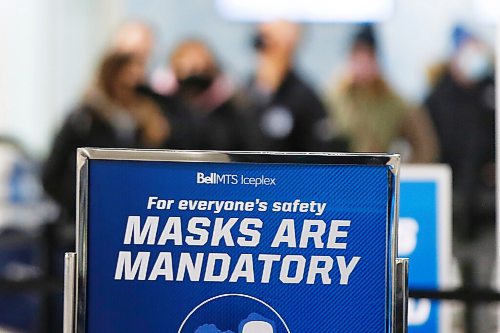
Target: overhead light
306, 10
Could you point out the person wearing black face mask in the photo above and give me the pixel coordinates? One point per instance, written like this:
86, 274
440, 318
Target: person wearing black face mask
285, 113
259, 41
205, 115
195, 84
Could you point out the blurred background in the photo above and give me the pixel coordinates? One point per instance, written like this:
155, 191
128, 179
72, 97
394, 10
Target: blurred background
408, 76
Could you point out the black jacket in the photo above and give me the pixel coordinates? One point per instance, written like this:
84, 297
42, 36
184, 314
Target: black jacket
464, 118
291, 119
218, 129
84, 127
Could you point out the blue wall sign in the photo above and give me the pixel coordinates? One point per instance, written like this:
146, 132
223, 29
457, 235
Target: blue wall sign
425, 238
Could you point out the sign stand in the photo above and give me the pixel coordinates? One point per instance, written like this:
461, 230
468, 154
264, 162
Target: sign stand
69, 292
75, 263
402, 295
425, 237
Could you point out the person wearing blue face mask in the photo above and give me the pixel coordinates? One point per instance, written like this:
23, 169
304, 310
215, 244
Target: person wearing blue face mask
462, 107
472, 61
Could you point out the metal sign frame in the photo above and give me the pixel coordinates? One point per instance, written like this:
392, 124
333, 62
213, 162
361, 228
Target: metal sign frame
76, 264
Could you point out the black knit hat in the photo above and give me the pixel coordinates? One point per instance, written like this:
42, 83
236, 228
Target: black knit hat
365, 37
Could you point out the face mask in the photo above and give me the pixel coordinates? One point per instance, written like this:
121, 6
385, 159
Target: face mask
259, 42
196, 83
474, 64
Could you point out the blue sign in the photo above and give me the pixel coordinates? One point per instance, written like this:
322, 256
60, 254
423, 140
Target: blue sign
425, 238
207, 247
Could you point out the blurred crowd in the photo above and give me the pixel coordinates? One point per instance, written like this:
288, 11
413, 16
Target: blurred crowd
191, 103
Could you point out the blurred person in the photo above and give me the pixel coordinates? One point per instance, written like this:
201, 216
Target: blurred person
285, 112
112, 114
462, 107
370, 114
205, 112
138, 38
